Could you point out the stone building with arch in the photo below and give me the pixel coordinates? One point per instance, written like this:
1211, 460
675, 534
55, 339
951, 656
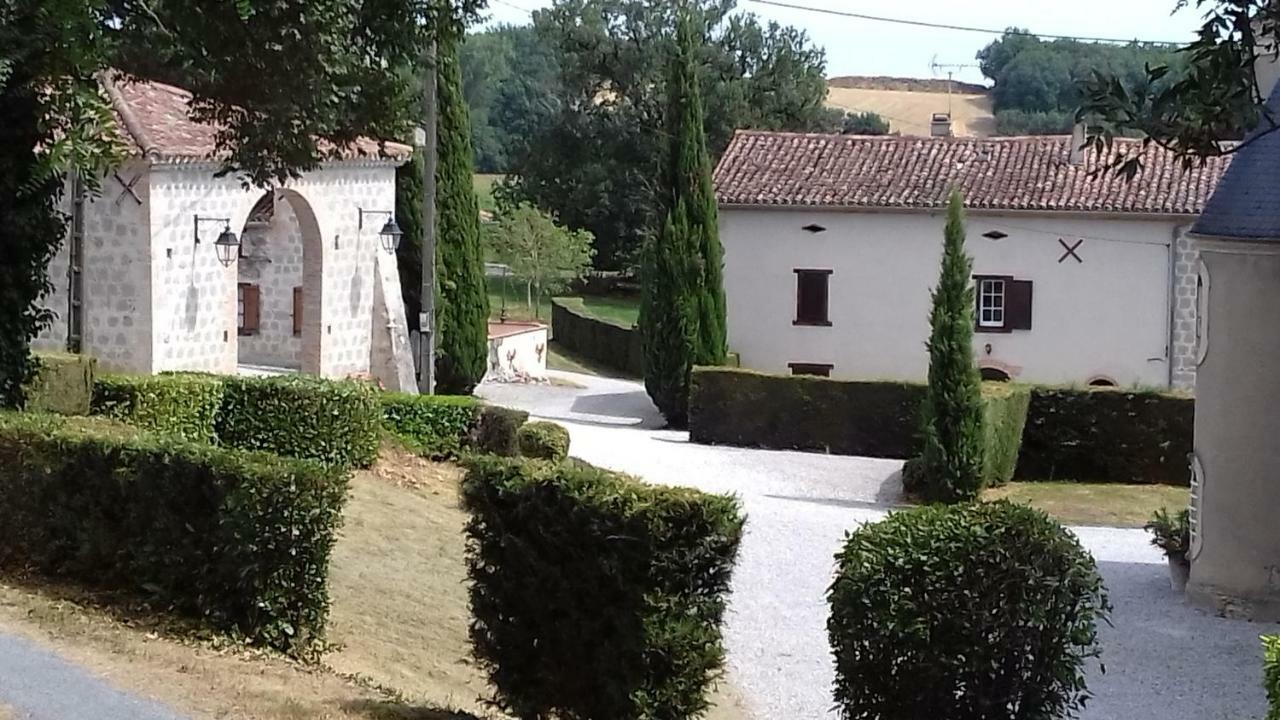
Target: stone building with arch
142, 284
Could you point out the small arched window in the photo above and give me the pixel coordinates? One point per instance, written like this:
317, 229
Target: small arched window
994, 374
1102, 381
1202, 313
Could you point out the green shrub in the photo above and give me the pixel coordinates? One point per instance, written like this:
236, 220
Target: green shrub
239, 541
594, 595
1171, 533
299, 416
609, 344
543, 440
967, 612
1271, 674
182, 405
743, 407
495, 430
433, 425
63, 384
1004, 414
1108, 435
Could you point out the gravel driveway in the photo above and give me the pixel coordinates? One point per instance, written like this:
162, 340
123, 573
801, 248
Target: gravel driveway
1164, 660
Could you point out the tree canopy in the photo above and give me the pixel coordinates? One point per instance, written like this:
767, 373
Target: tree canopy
1037, 83
509, 78
593, 151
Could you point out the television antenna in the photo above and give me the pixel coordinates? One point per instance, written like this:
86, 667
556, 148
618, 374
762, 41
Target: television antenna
950, 69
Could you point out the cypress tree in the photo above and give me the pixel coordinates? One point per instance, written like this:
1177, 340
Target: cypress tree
682, 309
951, 417
462, 306
690, 181
409, 217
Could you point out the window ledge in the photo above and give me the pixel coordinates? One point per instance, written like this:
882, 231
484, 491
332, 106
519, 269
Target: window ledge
812, 323
996, 330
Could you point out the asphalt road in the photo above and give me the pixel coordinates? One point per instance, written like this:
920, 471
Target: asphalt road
1163, 660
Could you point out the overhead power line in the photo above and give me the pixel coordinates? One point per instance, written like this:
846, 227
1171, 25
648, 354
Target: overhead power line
513, 6
958, 28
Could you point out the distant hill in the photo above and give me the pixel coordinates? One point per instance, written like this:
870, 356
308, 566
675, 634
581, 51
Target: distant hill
908, 103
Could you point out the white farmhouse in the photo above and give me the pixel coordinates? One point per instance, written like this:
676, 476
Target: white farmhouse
173, 268
833, 242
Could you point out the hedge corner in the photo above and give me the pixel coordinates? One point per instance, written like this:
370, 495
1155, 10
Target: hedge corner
1004, 415
63, 384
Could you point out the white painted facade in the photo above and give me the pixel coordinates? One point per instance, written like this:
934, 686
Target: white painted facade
1124, 313
156, 300
517, 352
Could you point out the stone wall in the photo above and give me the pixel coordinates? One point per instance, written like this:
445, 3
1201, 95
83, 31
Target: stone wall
272, 259
116, 275
195, 297
1186, 274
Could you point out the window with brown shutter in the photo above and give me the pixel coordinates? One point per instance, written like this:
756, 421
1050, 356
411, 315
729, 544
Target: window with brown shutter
1003, 303
812, 294
248, 309
297, 312
818, 369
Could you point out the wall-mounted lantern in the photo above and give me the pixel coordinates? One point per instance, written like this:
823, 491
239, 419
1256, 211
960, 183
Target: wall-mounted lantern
390, 233
227, 246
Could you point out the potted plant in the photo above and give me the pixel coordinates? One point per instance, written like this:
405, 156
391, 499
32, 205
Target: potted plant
1172, 534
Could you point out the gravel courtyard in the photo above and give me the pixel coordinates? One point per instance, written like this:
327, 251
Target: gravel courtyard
1163, 660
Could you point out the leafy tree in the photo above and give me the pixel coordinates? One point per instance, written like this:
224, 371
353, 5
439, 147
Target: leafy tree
597, 145
409, 255
1037, 83
864, 123
1216, 98
540, 252
327, 60
508, 79
462, 307
950, 468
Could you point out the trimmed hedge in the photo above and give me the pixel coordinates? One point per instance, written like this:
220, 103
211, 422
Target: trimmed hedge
1108, 435
495, 430
594, 595
63, 384
543, 440
609, 344
434, 425
982, 611
182, 405
239, 541
742, 407
334, 421
1004, 414
1271, 674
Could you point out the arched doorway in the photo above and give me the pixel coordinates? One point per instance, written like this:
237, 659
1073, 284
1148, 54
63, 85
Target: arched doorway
994, 374
279, 283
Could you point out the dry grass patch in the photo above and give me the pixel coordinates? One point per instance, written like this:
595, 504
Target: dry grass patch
398, 623
1106, 504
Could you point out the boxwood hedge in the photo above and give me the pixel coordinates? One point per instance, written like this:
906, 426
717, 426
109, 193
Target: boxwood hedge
183, 405
543, 440
1004, 414
237, 540
301, 416
594, 595
434, 425
63, 384
984, 611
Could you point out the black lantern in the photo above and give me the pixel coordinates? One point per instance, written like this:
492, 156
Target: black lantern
390, 233
227, 245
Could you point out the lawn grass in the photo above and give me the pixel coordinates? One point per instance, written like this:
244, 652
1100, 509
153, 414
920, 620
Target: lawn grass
621, 310
1107, 504
483, 184
398, 623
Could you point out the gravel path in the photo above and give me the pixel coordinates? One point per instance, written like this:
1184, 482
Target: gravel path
1164, 660
36, 684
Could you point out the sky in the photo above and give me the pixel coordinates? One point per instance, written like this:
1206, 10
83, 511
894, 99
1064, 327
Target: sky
863, 47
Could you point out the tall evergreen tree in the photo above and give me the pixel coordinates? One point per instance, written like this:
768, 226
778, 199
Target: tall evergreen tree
409, 254
462, 306
690, 182
951, 462
682, 306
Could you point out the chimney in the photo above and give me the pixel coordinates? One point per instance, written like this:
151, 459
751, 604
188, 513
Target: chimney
1076, 150
940, 125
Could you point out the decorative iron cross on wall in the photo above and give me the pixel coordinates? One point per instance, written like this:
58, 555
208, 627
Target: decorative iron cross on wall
1070, 250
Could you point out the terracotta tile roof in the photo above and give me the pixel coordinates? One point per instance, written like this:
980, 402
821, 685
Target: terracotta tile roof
1014, 173
155, 118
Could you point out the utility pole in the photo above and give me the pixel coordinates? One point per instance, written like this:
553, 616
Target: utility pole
427, 318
